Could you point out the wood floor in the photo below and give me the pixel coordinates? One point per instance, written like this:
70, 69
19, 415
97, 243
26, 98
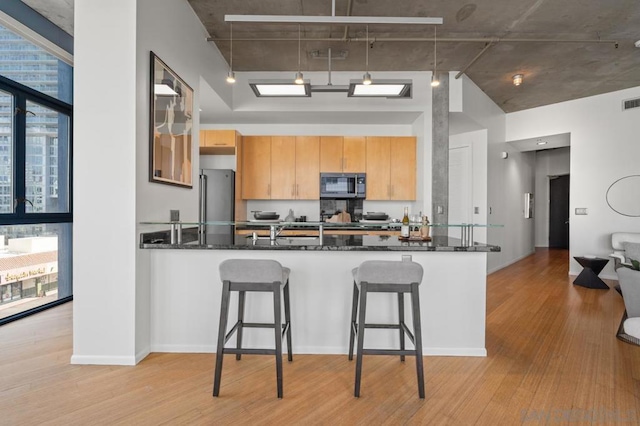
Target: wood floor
553, 359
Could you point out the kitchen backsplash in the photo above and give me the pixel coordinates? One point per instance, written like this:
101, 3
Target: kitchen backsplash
311, 209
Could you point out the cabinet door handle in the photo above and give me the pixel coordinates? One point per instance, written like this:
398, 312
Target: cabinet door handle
269, 189
388, 190
297, 190
391, 195
344, 164
293, 190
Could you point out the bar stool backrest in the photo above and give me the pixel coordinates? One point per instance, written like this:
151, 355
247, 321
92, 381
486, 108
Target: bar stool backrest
388, 272
252, 271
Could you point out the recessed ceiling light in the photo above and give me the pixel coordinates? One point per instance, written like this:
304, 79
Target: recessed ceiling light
541, 142
381, 88
275, 88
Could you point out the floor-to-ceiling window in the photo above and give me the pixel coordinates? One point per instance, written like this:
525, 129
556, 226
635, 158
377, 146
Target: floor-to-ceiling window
35, 178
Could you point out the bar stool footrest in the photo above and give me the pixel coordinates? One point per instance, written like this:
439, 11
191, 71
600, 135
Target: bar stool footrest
247, 351
387, 351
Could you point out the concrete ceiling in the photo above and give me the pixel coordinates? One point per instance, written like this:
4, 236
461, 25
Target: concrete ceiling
60, 12
555, 69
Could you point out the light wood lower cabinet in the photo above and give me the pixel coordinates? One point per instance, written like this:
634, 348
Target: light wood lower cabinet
391, 168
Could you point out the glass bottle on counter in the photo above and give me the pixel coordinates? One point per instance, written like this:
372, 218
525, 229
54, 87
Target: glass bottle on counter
424, 229
404, 229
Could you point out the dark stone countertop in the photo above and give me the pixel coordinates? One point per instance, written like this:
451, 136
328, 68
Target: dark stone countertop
159, 240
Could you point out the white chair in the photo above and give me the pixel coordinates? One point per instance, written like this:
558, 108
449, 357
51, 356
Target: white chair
621, 252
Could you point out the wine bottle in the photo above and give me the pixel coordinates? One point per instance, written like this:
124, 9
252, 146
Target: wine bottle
404, 230
424, 229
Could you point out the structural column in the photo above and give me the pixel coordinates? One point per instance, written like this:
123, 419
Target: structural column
440, 155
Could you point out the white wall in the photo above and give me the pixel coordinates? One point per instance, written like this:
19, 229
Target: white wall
104, 160
604, 148
507, 180
111, 162
477, 143
554, 162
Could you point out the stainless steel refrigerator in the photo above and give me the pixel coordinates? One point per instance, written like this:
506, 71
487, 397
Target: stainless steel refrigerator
216, 203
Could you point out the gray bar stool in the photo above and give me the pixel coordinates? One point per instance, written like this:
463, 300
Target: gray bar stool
244, 275
383, 276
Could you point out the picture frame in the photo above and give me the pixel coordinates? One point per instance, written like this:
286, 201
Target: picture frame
171, 127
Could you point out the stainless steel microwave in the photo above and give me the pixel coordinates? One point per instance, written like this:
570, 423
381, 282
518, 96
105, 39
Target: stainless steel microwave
343, 185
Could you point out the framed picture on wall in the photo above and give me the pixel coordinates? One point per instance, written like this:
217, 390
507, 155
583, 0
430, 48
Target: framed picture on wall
171, 127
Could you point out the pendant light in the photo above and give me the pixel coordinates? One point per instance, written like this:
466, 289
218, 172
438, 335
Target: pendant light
366, 78
231, 76
299, 77
434, 77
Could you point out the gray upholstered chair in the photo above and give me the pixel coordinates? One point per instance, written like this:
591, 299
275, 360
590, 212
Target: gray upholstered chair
629, 330
383, 276
261, 275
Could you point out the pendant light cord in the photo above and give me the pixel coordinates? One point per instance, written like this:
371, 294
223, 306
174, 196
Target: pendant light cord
367, 52
298, 47
231, 47
435, 52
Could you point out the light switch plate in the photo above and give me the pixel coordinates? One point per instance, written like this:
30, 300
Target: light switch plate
476, 210
581, 210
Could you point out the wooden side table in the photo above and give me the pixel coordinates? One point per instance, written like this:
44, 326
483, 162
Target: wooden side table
589, 276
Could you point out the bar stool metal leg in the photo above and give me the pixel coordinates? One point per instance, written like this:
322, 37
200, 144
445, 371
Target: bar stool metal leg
278, 332
222, 329
354, 313
241, 295
417, 331
361, 327
401, 322
287, 320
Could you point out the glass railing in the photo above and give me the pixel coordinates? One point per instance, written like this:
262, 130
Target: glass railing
277, 227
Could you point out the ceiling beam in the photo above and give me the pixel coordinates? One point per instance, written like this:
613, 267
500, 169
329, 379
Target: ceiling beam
338, 20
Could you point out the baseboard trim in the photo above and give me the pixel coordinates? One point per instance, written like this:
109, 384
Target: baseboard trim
102, 360
323, 350
511, 262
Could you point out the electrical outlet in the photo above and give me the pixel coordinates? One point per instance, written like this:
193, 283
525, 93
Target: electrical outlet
174, 215
581, 210
406, 258
476, 210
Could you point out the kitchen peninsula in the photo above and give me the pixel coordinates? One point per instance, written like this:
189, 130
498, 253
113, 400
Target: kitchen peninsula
186, 290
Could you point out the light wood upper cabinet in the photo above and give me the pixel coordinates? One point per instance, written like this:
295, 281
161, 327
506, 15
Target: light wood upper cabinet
378, 168
354, 154
256, 167
218, 141
307, 168
240, 210
331, 154
391, 168
283, 167
342, 154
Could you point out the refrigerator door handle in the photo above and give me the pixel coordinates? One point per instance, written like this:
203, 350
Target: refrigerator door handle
203, 204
